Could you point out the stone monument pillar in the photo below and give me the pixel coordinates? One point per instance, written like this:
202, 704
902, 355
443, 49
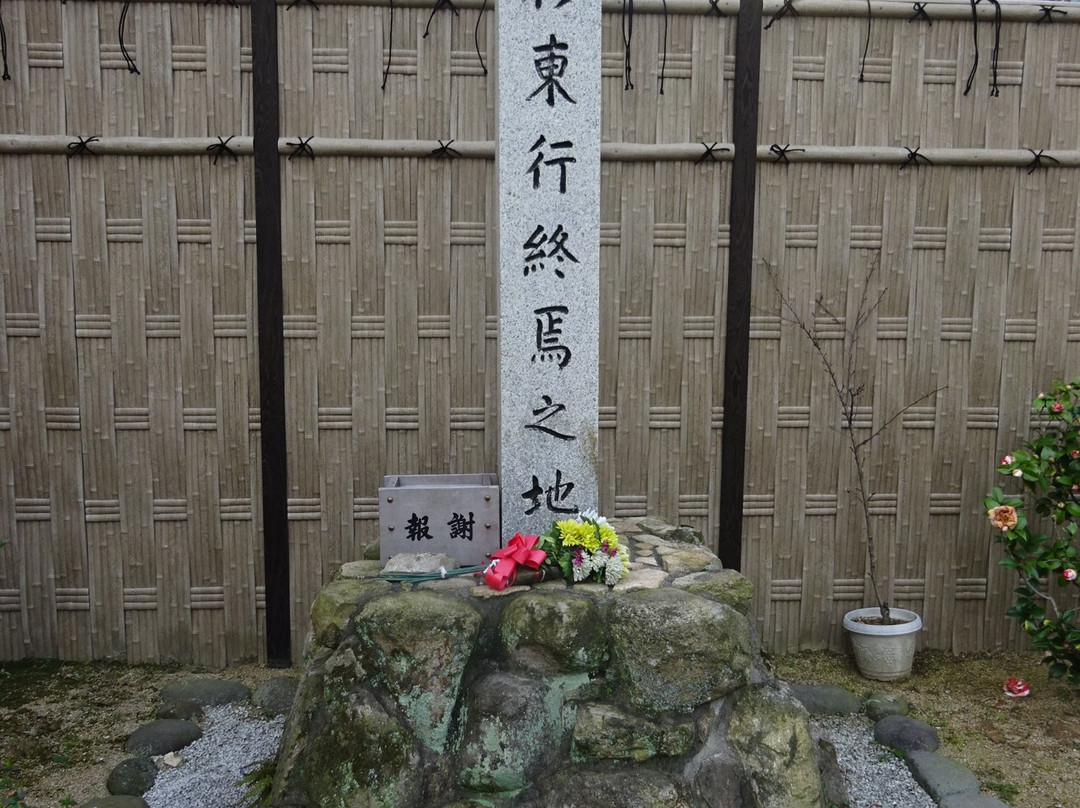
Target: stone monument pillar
549, 258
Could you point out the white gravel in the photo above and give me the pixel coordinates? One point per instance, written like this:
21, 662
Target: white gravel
233, 741
876, 778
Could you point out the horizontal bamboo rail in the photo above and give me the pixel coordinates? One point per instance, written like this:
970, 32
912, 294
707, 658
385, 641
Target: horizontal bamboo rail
485, 150
884, 9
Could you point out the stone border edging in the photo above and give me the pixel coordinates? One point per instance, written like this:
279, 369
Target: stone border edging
948, 782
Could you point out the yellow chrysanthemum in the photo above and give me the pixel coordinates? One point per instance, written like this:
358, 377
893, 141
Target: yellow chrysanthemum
608, 534
578, 534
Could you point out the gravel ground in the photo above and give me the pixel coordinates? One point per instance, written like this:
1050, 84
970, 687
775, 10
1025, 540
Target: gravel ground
875, 777
233, 741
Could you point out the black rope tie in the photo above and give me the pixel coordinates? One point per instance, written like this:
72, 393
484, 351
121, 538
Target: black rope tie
439, 4
975, 37
476, 37
627, 37
913, 158
81, 146
1037, 158
308, 2
714, 9
123, 48
866, 47
302, 148
1049, 10
787, 8
221, 147
3, 48
663, 61
710, 153
994, 91
782, 152
390, 49
218, 2
444, 150
920, 14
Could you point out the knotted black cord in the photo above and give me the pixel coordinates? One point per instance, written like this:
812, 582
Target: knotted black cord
444, 150
866, 47
1037, 158
920, 13
627, 36
975, 37
438, 5
714, 8
710, 153
1047, 11
913, 158
476, 36
3, 48
309, 2
123, 49
390, 50
81, 146
221, 147
782, 152
994, 91
301, 149
213, 2
663, 61
787, 8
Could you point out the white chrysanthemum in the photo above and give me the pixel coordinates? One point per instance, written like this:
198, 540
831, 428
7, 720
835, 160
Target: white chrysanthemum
586, 568
614, 569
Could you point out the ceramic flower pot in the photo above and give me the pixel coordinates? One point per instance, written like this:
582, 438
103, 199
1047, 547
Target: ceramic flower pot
883, 652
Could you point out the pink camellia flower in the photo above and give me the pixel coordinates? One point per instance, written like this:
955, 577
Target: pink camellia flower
1075, 453
1015, 688
1006, 460
1068, 574
1003, 517
1057, 406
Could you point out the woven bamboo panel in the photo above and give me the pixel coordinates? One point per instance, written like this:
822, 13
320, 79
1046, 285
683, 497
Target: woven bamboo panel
130, 471
972, 266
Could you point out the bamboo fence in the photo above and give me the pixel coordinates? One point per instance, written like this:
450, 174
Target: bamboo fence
130, 467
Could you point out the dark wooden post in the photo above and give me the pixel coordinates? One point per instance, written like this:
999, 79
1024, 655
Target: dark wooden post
740, 274
275, 490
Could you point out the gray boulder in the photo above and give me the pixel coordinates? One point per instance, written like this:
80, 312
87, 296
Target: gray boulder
133, 777
675, 651
969, 799
905, 734
206, 691
880, 705
600, 787
604, 732
525, 715
727, 586
415, 645
337, 602
116, 801
162, 735
275, 696
770, 732
553, 632
939, 776
184, 710
827, 699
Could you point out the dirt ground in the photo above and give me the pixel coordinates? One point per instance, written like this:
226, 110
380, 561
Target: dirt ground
64, 724
1025, 751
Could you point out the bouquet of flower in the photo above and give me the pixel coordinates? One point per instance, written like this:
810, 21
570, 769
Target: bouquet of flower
586, 548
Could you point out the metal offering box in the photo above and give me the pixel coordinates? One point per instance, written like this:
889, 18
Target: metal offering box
456, 514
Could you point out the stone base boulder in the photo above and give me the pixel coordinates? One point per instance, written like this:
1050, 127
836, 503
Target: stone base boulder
450, 695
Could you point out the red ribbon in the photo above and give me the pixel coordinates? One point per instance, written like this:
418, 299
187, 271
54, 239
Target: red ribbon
502, 571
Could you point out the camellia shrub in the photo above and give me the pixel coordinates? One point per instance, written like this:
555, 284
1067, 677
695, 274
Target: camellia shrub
1048, 469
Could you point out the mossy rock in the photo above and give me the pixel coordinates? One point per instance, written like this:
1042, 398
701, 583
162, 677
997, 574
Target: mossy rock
554, 632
